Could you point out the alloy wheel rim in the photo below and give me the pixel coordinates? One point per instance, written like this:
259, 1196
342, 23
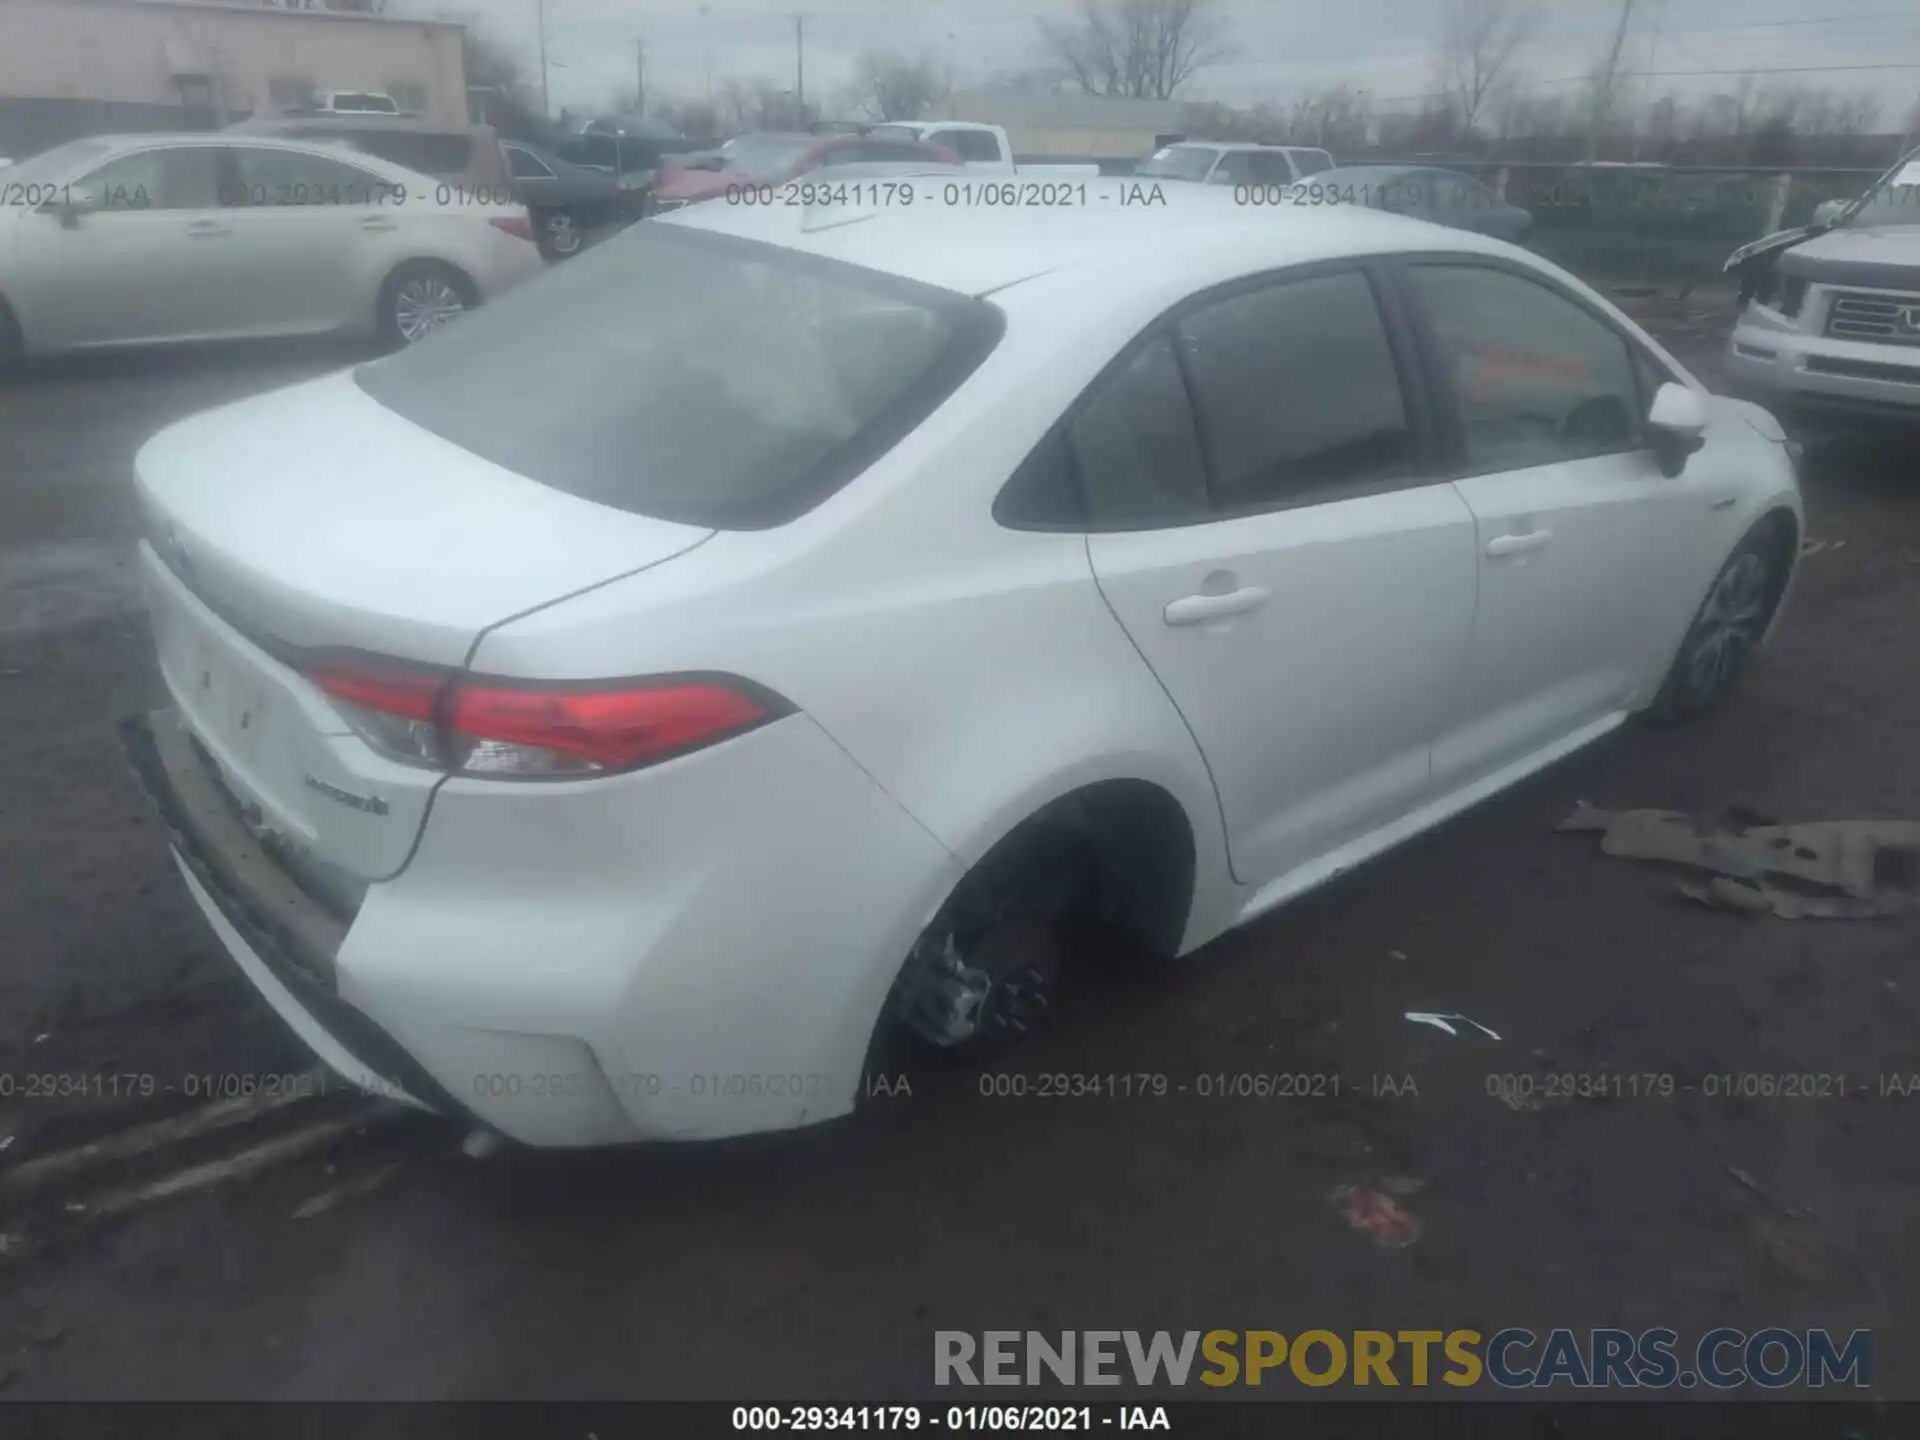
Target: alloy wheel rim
564, 234
1730, 624
424, 306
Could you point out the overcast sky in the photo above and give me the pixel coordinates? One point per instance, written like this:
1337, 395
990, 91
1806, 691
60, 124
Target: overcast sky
1281, 48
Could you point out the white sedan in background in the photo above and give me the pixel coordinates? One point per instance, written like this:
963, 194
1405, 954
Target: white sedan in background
151, 239
883, 593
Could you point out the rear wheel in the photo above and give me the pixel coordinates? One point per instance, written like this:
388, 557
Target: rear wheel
560, 234
1731, 622
986, 973
421, 299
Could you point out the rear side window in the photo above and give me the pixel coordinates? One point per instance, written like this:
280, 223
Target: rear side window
1297, 393
1135, 447
437, 155
1311, 162
691, 376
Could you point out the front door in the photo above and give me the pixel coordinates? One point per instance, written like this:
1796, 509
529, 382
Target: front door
1281, 558
1587, 551
144, 263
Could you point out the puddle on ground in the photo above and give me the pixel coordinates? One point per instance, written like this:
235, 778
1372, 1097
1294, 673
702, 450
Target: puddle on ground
63, 585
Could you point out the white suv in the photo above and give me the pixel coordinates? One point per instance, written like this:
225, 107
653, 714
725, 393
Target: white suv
1831, 329
1221, 162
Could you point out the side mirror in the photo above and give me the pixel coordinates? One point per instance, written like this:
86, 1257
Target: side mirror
1678, 425
72, 202
1828, 211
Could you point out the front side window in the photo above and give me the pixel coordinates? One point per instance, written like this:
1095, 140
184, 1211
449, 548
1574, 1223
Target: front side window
1311, 162
1536, 378
182, 179
1235, 168
1297, 393
692, 377
1136, 449
1179, 162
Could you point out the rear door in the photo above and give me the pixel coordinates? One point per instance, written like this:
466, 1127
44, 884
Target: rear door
306, 229
1269, 532
1587, 551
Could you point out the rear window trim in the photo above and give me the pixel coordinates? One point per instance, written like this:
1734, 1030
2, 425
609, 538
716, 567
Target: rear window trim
977, 329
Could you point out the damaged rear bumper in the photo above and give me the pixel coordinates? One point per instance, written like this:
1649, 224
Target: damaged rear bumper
284, 940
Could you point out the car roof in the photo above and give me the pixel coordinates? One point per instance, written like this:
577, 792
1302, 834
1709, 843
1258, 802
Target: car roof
861, 169
372, 122
1198, 235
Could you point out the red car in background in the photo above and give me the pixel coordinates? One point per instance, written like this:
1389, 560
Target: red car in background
775, 159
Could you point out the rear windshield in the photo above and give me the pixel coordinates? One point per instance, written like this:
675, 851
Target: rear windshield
691, 376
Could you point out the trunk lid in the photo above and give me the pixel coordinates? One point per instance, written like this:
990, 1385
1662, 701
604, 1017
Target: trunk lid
314, 518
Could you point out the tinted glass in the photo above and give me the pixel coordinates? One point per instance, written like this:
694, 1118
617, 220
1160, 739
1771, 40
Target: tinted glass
183, 179
969, 144
885, 150
1179, 162
524, 165
1235, 168
1136, 450
1312, 162
1537, 378
689, 376
1297, 392
286, 177
1266, 167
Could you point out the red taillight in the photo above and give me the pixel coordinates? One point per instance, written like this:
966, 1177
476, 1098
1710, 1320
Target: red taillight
612, 729
517, 225
505, 728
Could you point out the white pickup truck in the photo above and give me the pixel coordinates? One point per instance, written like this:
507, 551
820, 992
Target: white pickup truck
982, 148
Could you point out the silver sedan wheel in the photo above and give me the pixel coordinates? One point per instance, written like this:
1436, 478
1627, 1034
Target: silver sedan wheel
424, 304
1730, 625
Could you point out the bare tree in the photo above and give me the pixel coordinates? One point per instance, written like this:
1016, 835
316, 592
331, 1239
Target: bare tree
761, 105
1136, 49
1478, 40
1856, 113
887, 86
691, 117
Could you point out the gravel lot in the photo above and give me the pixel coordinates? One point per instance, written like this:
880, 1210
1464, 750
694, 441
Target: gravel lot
819, 1265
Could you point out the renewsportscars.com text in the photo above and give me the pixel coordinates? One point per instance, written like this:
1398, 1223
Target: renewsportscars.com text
1512, 1359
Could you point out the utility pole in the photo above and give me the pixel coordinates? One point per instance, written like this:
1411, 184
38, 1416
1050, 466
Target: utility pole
800, 62
1603, 84
640, 77
546, 106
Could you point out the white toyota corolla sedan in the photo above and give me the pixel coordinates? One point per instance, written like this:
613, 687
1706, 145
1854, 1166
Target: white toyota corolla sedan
596, 721
151, 239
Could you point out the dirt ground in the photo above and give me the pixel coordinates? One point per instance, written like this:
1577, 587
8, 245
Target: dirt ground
820, 1264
